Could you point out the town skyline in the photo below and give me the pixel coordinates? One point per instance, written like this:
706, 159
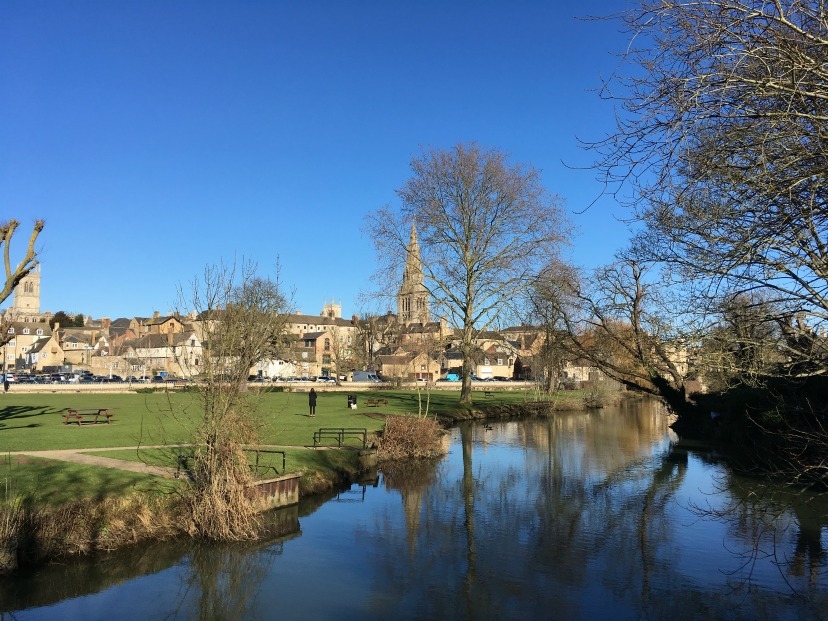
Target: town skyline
158, 139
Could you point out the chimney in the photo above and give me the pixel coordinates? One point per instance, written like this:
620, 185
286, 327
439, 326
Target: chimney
155, 314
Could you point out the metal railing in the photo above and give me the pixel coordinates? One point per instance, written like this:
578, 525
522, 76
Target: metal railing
339, 434
183, 459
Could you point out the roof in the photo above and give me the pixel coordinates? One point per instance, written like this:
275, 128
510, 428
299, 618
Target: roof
39, 344
32, 325
159, 320
149, 341
319, 320
313, 335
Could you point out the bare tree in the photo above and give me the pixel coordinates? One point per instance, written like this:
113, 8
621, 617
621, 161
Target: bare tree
16, 273
744, 345
243, 320
723, 145
551, 300
486, 227
623, 327
342, 348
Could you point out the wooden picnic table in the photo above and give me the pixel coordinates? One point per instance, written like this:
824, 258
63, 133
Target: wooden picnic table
91, 416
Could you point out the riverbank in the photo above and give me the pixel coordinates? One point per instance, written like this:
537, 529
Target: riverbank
54, 509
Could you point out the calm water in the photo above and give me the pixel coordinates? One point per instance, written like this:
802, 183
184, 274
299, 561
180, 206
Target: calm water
583, 516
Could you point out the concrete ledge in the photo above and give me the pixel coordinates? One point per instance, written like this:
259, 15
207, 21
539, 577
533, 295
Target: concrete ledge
275, 492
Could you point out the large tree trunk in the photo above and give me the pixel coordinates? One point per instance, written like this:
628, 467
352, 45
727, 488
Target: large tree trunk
466, 386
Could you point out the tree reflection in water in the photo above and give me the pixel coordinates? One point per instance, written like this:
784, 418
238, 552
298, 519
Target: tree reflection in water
582, 514
781, 524
222, 581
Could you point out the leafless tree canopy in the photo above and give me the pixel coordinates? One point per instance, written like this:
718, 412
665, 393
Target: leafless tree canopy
723, 140
485, 226
622, 326
243, 320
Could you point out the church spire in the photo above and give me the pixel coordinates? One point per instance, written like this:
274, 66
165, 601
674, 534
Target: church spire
413, 297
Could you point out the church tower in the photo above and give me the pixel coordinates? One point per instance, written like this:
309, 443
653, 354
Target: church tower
27, 295
413, 297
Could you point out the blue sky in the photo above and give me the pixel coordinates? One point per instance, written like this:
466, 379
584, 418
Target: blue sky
157, 137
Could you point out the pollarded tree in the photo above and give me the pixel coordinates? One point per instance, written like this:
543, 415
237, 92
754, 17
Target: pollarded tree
723, 140
16, 273
486, 228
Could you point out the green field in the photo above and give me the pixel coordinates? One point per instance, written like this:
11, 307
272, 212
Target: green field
35, 422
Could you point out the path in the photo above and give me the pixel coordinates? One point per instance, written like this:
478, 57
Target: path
82, 456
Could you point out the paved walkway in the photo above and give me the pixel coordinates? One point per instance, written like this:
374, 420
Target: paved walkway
82, 456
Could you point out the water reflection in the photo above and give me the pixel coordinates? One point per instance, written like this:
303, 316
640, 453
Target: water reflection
581, 516
589, 518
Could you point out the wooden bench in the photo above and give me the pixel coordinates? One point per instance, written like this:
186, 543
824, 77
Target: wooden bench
91, 416
373, 403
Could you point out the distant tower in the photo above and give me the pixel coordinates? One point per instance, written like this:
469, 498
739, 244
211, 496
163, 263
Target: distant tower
413, 297
27, 294
332, 310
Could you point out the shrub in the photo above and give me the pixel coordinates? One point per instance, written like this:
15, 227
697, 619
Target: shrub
409, 436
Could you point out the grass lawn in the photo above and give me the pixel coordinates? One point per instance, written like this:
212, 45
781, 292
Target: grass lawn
35, 422
57, 482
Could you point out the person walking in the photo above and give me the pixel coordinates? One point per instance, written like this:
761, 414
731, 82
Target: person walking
312, 401
5, 383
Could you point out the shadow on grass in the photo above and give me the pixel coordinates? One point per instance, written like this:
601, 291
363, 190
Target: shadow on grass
14, 413
56, 482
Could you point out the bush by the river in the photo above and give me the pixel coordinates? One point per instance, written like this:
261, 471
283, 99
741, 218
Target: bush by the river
406, 437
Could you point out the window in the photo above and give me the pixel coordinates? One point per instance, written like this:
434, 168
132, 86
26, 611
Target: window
24, 349
40, 331
74, 345
44, 355
327, 344
9, 356
25, 330
500, 362
11, 331
326, 359
485, 361
115, 365
12, 342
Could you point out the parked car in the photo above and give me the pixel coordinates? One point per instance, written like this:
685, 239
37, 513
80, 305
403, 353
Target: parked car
324, 379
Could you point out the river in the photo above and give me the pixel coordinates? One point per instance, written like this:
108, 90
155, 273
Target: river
602, 515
